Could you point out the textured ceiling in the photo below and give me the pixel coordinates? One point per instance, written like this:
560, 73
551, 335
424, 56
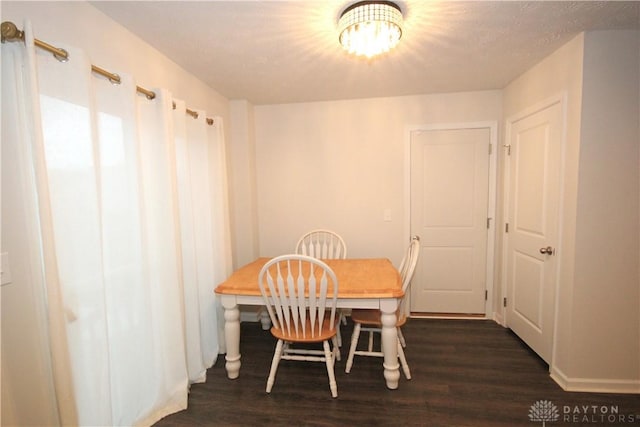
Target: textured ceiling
271, 52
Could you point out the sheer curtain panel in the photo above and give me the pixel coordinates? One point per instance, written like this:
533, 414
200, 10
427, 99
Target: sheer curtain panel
131, 218
27, 238
205, 243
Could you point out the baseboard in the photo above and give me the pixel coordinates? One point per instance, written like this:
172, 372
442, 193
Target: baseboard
499, 319
592, 385
249, 313
454, 316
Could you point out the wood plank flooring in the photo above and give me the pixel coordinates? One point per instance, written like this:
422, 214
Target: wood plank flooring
465, 373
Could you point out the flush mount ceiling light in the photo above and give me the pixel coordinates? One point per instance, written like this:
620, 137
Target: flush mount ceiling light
370, 28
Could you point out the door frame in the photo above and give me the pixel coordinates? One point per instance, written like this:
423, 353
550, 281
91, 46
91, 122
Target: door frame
560, 98
492, 125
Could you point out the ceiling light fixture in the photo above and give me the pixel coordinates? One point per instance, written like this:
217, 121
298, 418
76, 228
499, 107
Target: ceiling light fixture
370, 28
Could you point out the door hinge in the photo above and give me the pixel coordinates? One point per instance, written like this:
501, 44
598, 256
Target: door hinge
489, 222
508, 147
506, 227
504, 302
490, 149
486, 295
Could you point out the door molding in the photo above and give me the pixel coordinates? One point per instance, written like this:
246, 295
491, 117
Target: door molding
491, 202
501, 312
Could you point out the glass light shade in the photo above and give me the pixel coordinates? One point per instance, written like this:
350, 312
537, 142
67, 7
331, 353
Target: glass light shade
370, 28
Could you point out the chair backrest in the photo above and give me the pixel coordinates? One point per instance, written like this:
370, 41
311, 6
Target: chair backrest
297, 290
407, 268
323, 244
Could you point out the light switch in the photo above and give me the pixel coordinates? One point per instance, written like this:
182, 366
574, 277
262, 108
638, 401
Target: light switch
386, 215
6, 271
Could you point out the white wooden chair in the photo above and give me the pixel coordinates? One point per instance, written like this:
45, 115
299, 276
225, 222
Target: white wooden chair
324, 244
300, 294
369, 320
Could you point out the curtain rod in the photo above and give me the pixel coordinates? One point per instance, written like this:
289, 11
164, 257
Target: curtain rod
10, 32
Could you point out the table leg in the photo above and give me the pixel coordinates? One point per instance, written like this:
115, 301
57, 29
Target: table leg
232, 335
265, 320
390, 343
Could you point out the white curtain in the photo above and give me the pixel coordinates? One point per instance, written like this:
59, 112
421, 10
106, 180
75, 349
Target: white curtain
127, 204
200, 165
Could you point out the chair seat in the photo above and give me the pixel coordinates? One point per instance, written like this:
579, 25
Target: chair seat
371, 317
325, 333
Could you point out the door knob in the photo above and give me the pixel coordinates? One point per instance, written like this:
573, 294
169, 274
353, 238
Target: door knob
548, 250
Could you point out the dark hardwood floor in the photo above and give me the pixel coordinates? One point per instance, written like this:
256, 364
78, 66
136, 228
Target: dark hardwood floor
465, 373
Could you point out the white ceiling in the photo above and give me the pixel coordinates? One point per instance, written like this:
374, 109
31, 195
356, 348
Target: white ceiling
271, 52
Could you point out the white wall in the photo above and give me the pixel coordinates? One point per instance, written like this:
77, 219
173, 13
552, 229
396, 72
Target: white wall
242, 180
597, 340
339, 165
27, 397
606, 314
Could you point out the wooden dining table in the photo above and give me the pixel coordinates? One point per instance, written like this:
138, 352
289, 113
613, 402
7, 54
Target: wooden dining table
372, 283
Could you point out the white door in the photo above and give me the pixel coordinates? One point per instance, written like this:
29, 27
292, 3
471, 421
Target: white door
534, 144
449, 211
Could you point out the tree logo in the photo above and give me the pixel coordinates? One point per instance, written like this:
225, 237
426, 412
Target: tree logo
543, 410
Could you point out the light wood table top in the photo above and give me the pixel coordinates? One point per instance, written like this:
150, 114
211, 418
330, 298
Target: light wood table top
357, 278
